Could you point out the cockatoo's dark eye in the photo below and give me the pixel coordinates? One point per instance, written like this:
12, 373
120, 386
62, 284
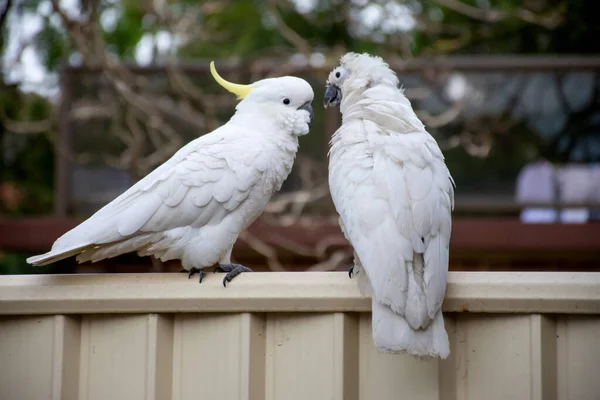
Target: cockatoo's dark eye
338, 74
286, 101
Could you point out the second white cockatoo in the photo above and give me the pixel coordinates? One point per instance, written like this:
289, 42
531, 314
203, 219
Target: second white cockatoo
394, 194
194, 206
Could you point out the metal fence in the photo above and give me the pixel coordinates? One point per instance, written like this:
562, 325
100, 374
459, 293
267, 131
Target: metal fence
291, 336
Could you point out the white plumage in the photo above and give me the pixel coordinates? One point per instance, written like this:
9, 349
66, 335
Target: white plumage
194, 206
394, 195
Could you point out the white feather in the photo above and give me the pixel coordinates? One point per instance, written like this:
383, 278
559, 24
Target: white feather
394, 195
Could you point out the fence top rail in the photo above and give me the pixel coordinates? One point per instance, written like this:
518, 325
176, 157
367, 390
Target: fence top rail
480, 292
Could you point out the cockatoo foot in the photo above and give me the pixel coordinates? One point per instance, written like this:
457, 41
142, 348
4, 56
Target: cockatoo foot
192, 271
232, 270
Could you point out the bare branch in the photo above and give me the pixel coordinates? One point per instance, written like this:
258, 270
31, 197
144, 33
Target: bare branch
27, 127
90, 111
442, 119
551, 20
75, 32
4, 13
334, 261
187, 89
264, 249
288, 33
296, 199
185, 26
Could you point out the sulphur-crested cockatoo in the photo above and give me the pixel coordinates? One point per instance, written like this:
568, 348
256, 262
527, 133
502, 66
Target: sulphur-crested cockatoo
194, 206
394, 195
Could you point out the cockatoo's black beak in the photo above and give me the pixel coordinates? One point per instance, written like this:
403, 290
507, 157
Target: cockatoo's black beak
308, 107
333, 96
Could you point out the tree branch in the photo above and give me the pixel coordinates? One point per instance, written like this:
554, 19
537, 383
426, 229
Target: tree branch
551, 20
4, 13
27, 127
288, 33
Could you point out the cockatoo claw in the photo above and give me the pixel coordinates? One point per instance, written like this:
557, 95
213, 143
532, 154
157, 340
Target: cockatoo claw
351, 271
218, 269
232, 270
200, 272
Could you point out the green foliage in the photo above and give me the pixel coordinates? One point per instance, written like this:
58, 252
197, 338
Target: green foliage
128, 31
27, 159
14, 263
54, 43
247, 17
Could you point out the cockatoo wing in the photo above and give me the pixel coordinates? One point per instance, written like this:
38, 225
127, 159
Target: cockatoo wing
394, 197
424, 209
361, 198
201, 184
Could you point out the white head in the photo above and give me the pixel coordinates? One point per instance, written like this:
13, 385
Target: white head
357, 72
287, 100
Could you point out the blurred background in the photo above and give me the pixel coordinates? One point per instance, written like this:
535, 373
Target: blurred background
95, 94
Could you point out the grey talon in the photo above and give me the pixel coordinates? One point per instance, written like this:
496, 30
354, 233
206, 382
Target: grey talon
200, 272
232, 271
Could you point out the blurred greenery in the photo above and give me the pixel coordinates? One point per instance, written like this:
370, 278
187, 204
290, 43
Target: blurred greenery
245, 29
249, 30
13, 263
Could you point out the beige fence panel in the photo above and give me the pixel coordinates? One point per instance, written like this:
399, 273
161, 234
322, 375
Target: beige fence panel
288, 336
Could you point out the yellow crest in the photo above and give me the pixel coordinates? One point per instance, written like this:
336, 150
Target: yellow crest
240, 91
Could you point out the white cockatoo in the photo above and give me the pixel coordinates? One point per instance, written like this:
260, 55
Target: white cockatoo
194, 206
394, 195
